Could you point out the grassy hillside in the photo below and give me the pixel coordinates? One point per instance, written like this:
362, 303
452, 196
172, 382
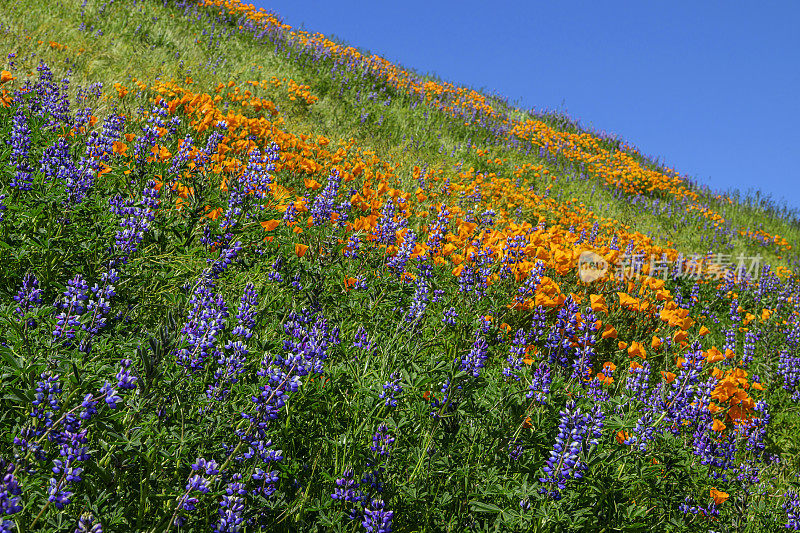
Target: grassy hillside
255, 279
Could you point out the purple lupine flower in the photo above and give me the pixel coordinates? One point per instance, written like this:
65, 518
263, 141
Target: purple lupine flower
586, 333
789, 370
346, 488
99, 147
247, 312
28, 296
450, 316
89, 406
515, 449
388, 224
792, 508
559, 343
3, 207
111, 395
638, 381
87, 523
198, 482
179, 160
444, 401
46, 401
539, 387
227, 255
268, 481
352, 247
528, 288
99, 306
397, 263
564, 462
324, 204
515, 355
476, 358
382, 440
20, 142
136, 219
205, 322
57, 162
10, 492
376, 518
231, 364
58, 495
125, 380
437, 231
419, 301
361, 340
231, 507
390, 388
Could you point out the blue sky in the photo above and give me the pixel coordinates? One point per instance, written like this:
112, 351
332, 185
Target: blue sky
711, 88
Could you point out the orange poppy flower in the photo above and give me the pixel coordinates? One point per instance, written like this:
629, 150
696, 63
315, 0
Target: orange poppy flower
610, 332
300, 249
270, 225
718, 496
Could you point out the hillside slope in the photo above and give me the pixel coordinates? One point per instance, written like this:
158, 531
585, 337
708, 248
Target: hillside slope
257, 279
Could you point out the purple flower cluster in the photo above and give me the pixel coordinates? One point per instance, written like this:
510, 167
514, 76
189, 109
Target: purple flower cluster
20, 142
27, 297
382, 441
789, 371
397, 263
515, 355
199, 481
87, 523
324, 205
476, 358
99, 305
388, 224
231, 507
576, 433
376, 518
204, 324
539, 387
73, 305
136, 219
10, 492
792, 508
390, 389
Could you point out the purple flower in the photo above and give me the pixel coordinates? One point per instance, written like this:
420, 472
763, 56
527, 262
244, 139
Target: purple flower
382, 440
247, 312
576, 432
89, 524
125, 380
346, 488
28, 296
376, 518
231, 507
476, 358
10, 492
515, 355
111, 395
73, 305
20, 142
390, 388
58, 495
792, 508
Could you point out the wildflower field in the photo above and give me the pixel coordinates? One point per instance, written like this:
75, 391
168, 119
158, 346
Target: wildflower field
253, 279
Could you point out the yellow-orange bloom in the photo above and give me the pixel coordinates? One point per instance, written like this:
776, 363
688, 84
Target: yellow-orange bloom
300, 249
718, 496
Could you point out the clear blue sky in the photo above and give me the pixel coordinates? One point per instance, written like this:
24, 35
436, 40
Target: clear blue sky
711, 88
